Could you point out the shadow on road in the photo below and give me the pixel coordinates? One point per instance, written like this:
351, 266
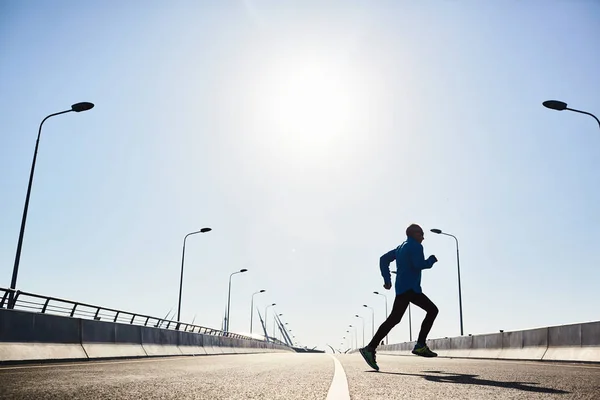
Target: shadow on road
466, 379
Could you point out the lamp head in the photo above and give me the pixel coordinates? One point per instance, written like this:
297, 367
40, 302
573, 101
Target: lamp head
555, 105
438, 231
84, 106
204, 230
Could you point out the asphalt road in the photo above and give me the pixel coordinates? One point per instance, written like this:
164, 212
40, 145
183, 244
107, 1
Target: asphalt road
300, 376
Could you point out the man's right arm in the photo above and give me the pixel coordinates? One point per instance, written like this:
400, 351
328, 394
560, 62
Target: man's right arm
384, 265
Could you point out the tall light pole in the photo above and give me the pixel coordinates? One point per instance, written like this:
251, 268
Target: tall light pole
409, 324
372, 319
203, 230
351, 342
227, 318
386, 310
439, 232
274, 325
561, 105
355, 336
363, 324
78, 107
252, 307
266, 329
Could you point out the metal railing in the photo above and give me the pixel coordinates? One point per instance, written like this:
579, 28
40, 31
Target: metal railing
32, 302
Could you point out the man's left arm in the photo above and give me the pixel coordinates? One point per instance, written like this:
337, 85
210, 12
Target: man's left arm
418, 258
384, 266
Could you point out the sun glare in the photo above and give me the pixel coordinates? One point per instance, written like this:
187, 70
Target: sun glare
308, 104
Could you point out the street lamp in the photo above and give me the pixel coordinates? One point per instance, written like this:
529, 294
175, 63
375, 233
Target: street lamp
274, 325
266, 308
355, 336
227, 318
363, 323
252, 307
78, 107
560, 105
372, 319
203, 230
386, 310
439, 232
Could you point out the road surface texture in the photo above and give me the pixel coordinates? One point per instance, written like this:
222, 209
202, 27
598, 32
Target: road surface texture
300, 376
404, 377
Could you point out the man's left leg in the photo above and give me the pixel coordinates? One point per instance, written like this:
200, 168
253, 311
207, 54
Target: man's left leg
400, 304
427, 305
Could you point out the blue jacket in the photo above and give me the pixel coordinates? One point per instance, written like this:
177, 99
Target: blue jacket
410, 261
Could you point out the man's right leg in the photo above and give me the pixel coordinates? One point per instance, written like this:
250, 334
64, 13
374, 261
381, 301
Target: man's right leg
427, 305
400, 305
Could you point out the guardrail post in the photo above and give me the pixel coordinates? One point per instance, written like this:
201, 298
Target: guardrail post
4, 298
73, 310
116, 315
45, 305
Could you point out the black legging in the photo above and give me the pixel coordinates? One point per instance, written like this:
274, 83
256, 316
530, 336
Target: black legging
400, 305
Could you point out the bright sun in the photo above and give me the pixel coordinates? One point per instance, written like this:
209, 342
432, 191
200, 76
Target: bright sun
308, 104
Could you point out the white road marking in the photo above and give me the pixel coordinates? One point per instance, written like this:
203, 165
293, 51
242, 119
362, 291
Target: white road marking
339, 384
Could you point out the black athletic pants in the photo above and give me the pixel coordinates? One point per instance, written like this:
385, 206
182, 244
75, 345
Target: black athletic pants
398, 310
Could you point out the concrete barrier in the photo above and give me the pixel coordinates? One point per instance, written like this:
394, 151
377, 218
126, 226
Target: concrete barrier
486, 346
442, 346
211, 345
191, 344
30, 336
576, 342
26, 336
460, 346
160, 342
524, 345
109, 340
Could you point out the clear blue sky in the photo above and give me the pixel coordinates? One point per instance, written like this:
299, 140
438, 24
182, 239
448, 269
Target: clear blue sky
308, 136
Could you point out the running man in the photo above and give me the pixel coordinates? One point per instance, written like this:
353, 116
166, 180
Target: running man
410, 261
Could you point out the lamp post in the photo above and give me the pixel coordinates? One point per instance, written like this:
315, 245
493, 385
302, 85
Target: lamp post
274, 326
439, 232
363, 324
252, 307
372, 319
561, 105
386, 310
409, 319
227, 318
203, 230
78, 107
355, 336
266, 308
